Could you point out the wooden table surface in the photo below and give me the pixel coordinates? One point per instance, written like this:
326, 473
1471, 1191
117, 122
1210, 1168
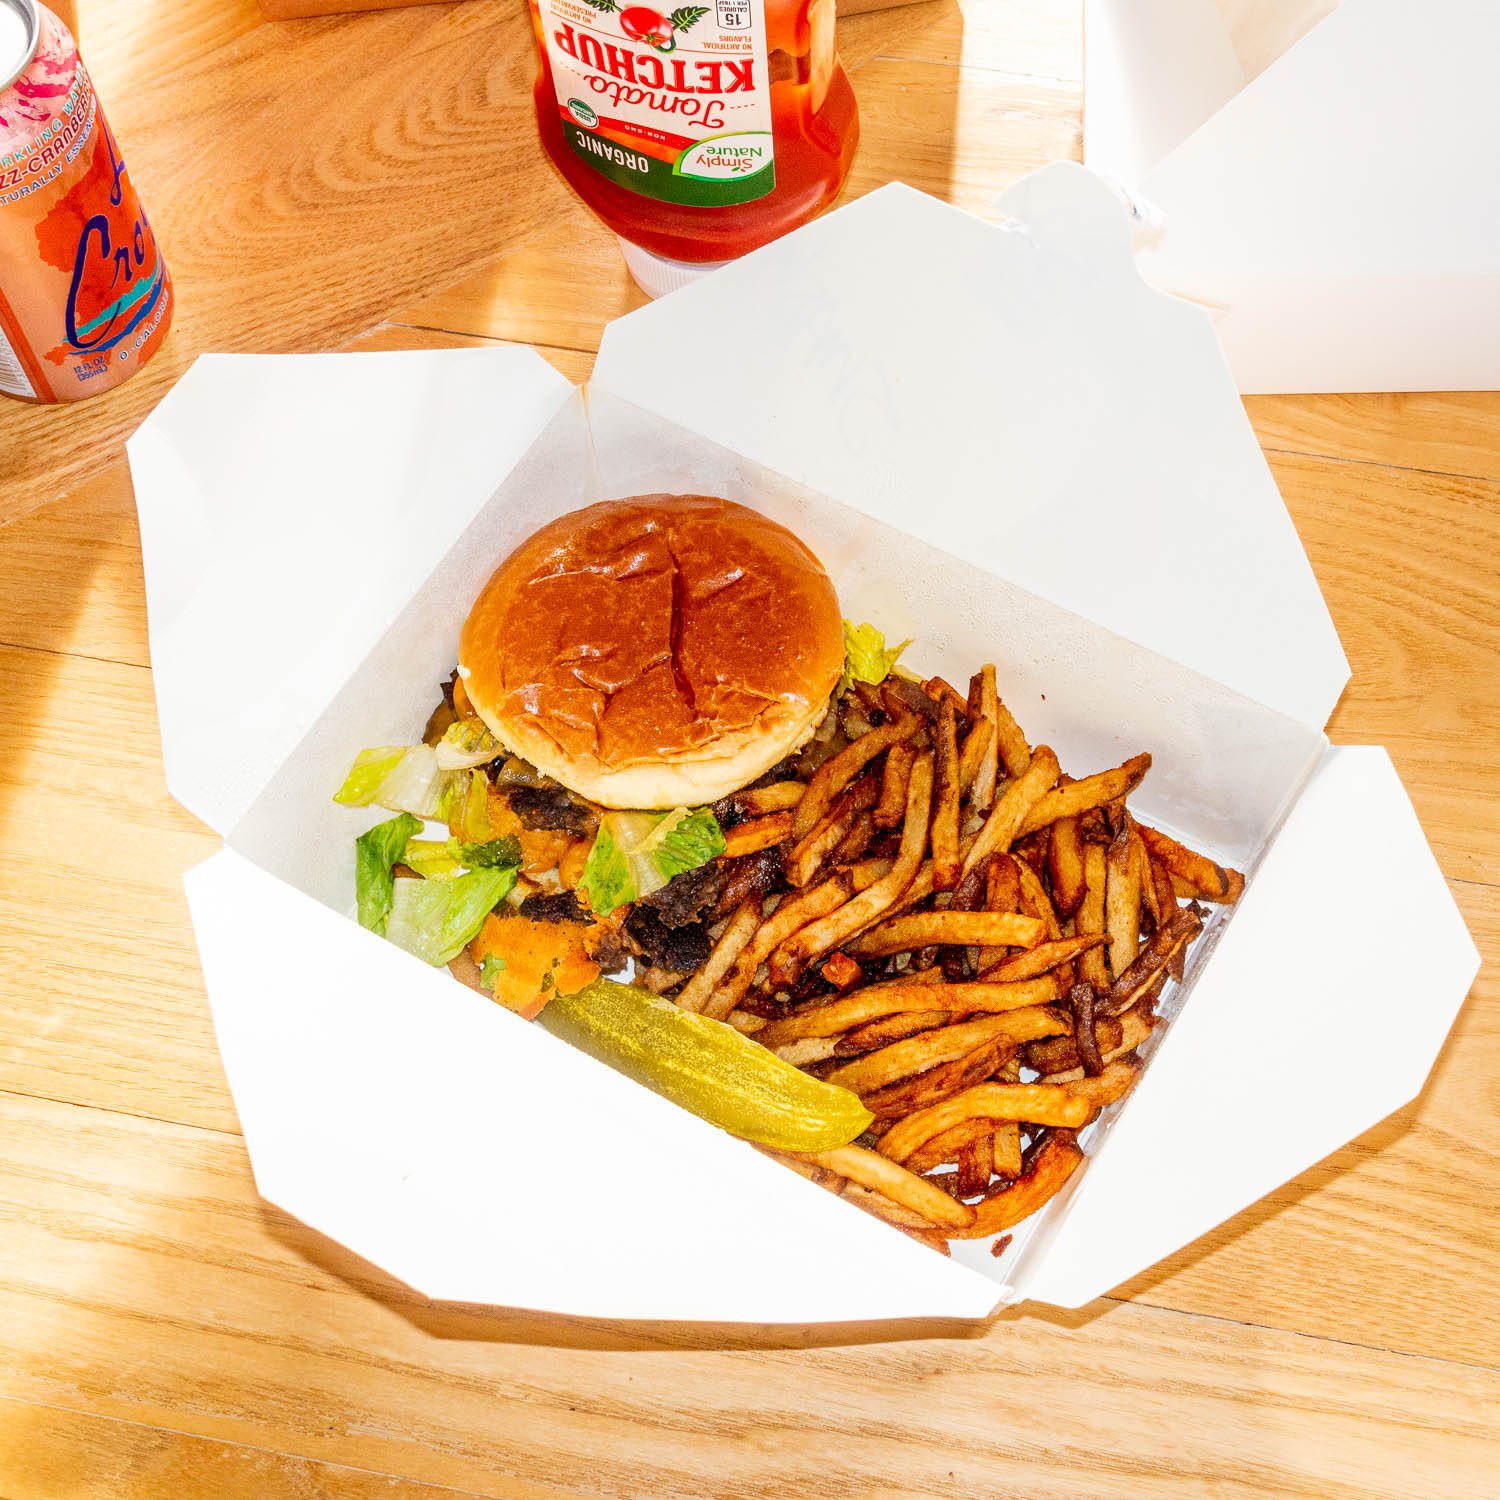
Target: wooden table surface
373, 182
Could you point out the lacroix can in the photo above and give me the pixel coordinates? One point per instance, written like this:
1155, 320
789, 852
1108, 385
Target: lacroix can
85, 299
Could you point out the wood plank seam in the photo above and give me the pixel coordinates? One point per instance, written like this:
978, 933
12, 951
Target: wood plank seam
1488, 480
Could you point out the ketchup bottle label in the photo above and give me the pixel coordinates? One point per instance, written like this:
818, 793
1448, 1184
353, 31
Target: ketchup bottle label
674, 105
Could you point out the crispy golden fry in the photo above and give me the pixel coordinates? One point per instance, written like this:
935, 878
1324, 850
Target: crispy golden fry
977, 751
1034, 899
1153, 961
737, 933
888, 1029
809, 853
976, 1165
917, 892
856, 841
1002, 892
891, 808
1065, 866
1193, 874
948, 1146
1005, 1150
941, 691
794, 912
758, 833
982, 786
880, 1174
1166, 891
1054, 1161
1032, 1103
1132, 1029
1122, 904
1151, 903
1096, 1093
1015, 803
1089, 918
900, 1099
1059, 1054
946, 865
1079, 796
893, 1213
875, 1070
793, 955
839, 770
956, 928
1081, 1000
810, 1049
897, 997
780, 796
863, 873
1041, 959
742, 1020
1015, 751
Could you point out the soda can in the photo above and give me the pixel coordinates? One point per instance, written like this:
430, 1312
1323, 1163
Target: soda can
85, 299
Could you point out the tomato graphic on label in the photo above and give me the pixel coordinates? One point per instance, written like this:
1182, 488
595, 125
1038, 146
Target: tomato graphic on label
642, 24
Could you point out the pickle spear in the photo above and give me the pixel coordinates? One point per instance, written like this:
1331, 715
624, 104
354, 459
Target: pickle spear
706, 1067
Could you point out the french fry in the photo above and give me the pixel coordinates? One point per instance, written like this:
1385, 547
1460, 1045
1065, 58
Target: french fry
977, 751
917, 1053
1162, 884
780, 796
1193, 874
809, 853
1065, 866
888, 1029
1041, 959
1005, 1150
1054, 1161
1133, 1029
792, 956
1057, 1055
1034, 898
1032, 1103
1015, 752
794, 913
856, 841
1153, 961
870, 1169
900, 1099
758, 833
810, 1049
898, 997
1122, 904
948, 1147
942, 691
882, 1207
946, 865
982, 788
976, 1165
737, 933
863, 873
891, 807
1013, 806
1081, 999
1079, 796
839, 770
1002, 892
1088, 921
1117, 1079
956, 928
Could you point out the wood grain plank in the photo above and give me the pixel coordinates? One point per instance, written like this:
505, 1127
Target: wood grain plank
357, 160
1443, 432
140, 1279
47, 1453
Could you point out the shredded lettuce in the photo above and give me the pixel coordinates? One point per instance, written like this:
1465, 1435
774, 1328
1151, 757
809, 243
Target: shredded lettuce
442, 859
636, 853
435, 918
467, 807
402, 779
866, 658
465, 744
376, 853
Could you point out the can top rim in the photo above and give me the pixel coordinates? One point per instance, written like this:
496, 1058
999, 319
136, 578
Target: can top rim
31, 23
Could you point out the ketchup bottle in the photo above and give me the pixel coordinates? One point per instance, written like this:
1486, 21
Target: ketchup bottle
697, 133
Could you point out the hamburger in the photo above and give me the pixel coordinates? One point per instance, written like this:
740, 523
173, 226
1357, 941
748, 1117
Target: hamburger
656, 652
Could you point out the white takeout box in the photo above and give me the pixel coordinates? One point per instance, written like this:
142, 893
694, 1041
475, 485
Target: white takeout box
1027, 456
1320, 173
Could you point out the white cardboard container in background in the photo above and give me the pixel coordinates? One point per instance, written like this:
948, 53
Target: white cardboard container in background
1032, 457
1318, 173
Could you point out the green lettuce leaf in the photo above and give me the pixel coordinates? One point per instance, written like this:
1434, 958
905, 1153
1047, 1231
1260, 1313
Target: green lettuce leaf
464, 744
435, 918
636, 853
403, 779
866, 658
490, 969
376, 853
489, 855
442, 859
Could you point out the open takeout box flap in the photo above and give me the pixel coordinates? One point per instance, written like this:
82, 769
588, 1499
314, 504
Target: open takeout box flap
1332, 209
1320, 1012
479, 1159
289, 506
1013, 395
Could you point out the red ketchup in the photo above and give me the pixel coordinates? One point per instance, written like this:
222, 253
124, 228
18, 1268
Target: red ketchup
696, 133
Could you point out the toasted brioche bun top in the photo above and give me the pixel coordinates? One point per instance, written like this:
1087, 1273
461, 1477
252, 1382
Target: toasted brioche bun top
655, 652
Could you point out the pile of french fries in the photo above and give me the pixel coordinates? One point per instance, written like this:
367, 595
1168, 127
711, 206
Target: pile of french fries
963, 935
